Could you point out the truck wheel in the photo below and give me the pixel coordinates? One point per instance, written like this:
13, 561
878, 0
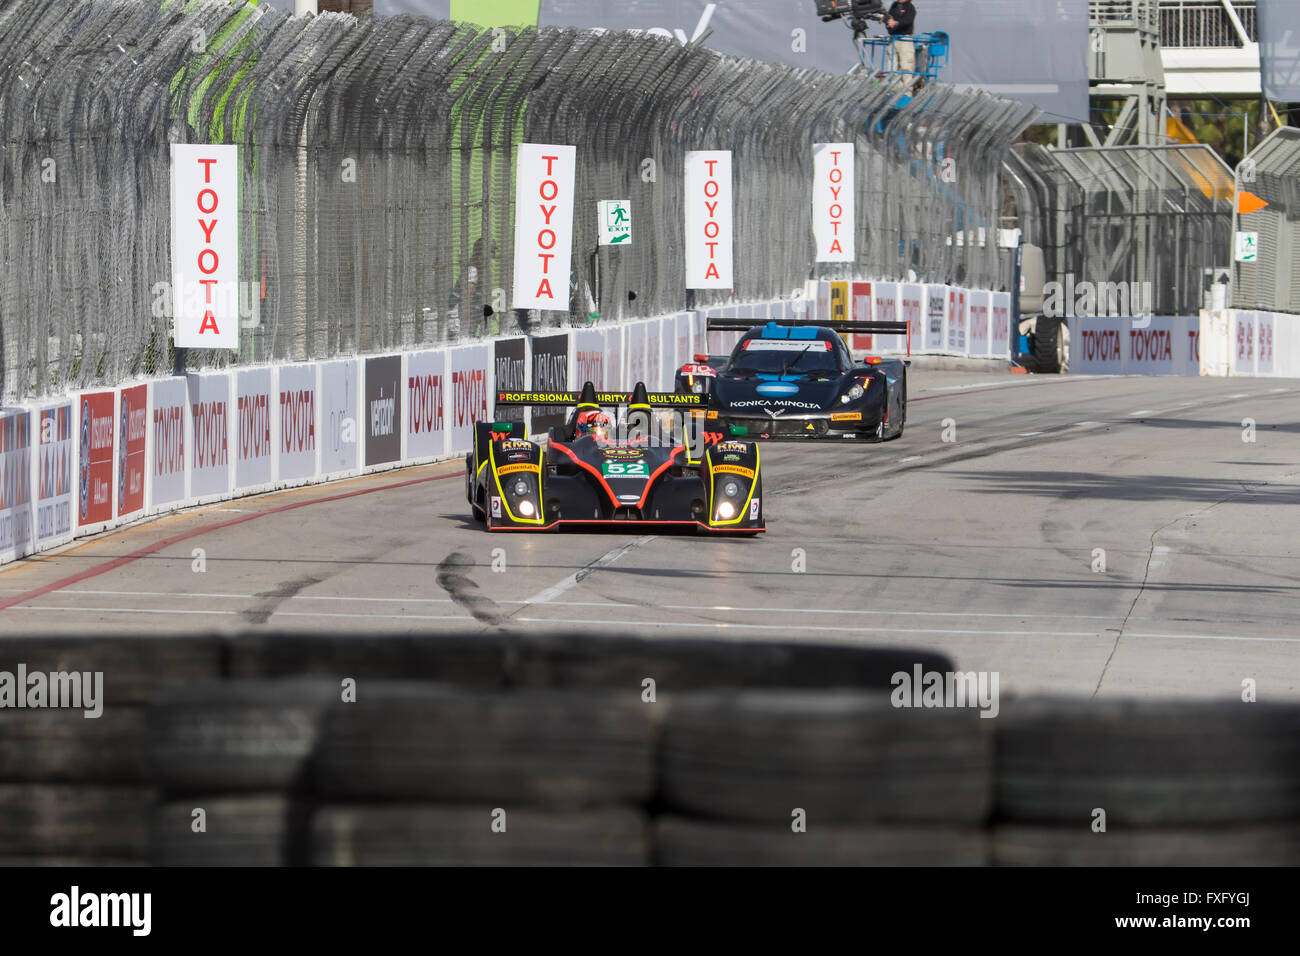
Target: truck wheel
1051, 345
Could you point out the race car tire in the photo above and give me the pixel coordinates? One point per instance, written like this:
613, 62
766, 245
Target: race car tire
472, 835
251, 830
1078, 845
75, 820
541, 748
225, 736
679, 841
840, 756
623, 663
1147, 762
63, 746
476, 660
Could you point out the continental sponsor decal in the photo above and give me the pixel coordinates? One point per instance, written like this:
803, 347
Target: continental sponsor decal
511, 469
734, 470
846, 416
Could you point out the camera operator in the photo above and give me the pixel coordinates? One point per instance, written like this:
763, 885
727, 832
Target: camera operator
899, 21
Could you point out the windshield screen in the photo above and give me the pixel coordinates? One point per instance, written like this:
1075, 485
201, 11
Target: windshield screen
776, 355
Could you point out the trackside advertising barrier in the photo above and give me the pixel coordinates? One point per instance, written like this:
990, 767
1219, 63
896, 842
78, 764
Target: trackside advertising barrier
1239, 342
107, 457
1148, 345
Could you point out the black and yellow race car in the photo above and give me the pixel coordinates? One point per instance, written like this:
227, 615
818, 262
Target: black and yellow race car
798, 380
620, 459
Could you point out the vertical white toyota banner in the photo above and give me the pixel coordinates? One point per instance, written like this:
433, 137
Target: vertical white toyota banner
543, 226
205, 246
833, 201
708, 220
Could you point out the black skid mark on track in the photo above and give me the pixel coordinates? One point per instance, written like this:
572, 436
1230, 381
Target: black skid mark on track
462, 589
270, 601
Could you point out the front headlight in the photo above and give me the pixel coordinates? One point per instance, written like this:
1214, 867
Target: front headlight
731, 489
856, 392
726, 510
526, 508
521, 487
698, 388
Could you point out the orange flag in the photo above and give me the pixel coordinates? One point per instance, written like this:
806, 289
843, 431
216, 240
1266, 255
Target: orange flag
1248, 202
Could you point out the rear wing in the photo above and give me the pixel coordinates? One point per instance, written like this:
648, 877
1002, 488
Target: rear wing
590, 397
744, 325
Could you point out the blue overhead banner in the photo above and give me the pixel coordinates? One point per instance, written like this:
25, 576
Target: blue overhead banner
1279, 49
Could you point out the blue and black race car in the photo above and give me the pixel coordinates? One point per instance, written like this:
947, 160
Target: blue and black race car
792, 380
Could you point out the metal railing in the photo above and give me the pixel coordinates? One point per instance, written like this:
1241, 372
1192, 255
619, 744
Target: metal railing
376, 185
1206, 24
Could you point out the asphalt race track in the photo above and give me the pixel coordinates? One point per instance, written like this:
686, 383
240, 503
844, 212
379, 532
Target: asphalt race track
985, 547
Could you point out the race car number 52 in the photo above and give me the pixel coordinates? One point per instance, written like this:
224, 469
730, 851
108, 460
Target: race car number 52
625, 469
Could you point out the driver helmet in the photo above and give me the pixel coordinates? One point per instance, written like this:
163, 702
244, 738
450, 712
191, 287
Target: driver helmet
594, 423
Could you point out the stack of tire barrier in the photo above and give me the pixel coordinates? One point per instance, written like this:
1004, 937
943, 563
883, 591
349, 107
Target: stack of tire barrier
523, 749
1138, 783
75, 786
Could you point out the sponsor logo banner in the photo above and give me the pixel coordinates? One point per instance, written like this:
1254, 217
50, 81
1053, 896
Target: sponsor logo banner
1264, 343
833, 201
210, 412
936, 312
15, 483
95, 462
860, 296
133, 427
956, 320
205, 246
550, 374
543, 225
299, 425
383, 409
1000, 336
426, 389
787, 345
468, 393
167, 463
1098, 345
340, 432
911, 299
885, 306
589, 358
510, 369
54, 437
708, 219
253, 408
846, 416
979, 323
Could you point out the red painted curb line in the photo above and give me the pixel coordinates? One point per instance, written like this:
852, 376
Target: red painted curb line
174, 539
